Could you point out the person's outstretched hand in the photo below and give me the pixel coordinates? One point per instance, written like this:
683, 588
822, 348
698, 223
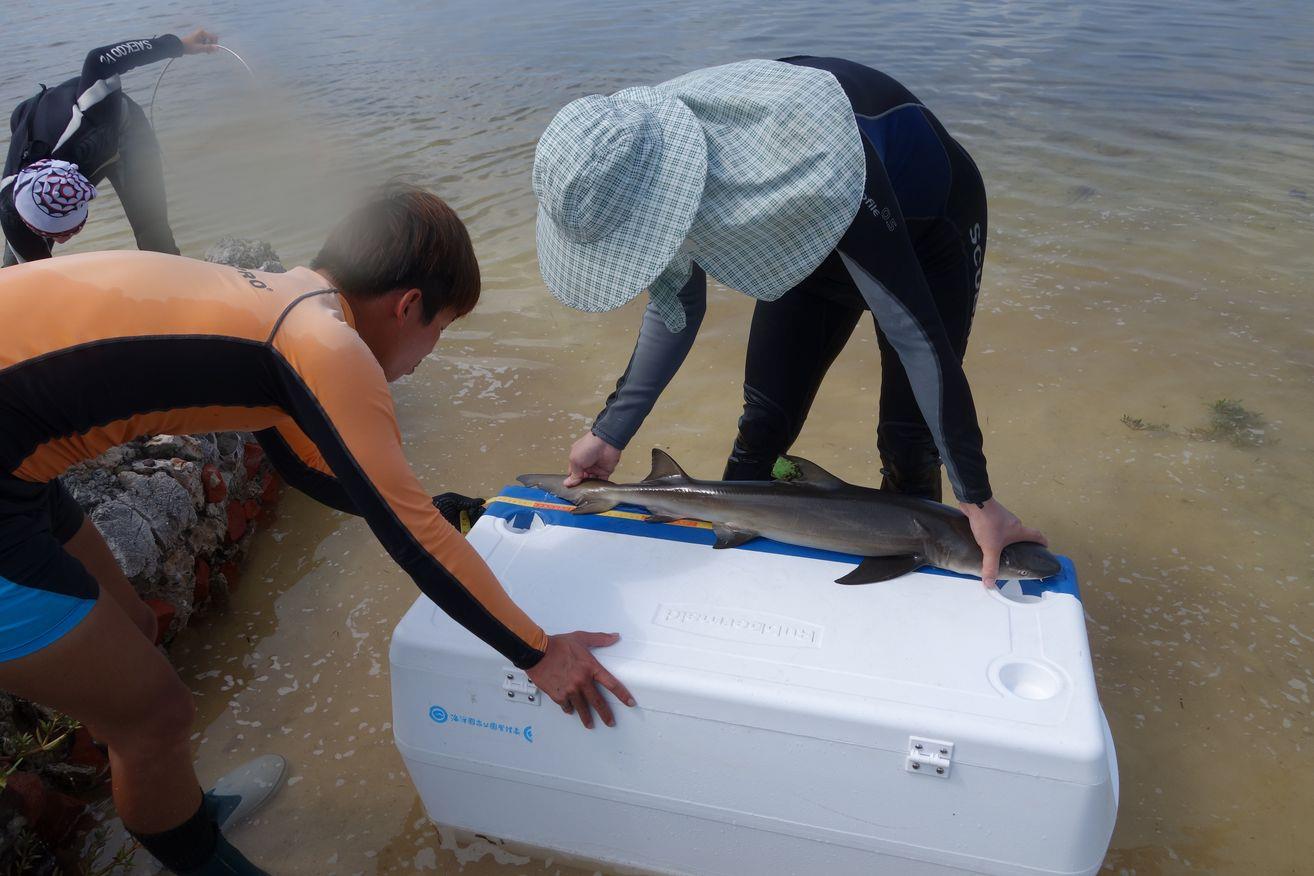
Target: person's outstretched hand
591, 457
452, 505
199, 42
995, 527
570, 674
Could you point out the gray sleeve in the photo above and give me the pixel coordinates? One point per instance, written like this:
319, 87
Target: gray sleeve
879, 255
938, 382
657, 356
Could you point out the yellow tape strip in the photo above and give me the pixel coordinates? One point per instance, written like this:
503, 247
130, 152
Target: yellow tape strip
624, 515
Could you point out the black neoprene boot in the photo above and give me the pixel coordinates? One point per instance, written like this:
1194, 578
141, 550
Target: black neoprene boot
226, 860
910, 463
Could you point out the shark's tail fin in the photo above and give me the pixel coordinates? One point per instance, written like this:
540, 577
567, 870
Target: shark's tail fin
664, 468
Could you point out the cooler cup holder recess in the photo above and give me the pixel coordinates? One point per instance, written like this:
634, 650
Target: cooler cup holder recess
1025, 678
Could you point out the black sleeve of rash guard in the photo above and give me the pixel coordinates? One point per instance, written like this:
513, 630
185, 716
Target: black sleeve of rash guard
323, 488
116, 58
100, 69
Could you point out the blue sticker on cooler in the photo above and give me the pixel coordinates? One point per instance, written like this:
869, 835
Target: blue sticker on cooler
439, 715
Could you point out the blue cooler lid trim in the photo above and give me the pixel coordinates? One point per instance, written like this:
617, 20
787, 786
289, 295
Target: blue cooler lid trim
519, 506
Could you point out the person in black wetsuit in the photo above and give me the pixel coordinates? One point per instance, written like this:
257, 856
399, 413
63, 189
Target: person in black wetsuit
909, 249
89, 122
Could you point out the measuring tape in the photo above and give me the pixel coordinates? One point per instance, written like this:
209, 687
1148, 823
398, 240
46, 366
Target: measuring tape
621, 515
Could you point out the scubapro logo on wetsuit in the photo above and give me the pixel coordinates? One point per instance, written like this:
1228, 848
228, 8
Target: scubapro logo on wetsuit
439, 715
978, 254
251, 278
884, 214
131, 47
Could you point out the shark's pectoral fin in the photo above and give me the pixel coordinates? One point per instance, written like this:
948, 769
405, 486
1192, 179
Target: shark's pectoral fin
728, 536
593, 505
874, 569
659, 518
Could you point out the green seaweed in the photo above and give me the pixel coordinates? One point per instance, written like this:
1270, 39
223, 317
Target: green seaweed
1231, 421
1136, 424
785, 470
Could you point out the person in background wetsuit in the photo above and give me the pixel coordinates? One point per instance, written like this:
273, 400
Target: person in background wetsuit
90, 123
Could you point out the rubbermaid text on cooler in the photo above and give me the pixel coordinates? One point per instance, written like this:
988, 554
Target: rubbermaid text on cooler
739, 626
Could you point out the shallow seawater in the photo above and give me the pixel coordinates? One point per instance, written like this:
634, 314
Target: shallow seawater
1150, 171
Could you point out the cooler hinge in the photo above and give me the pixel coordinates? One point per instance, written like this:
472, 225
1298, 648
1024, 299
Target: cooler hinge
518, 687
930, 757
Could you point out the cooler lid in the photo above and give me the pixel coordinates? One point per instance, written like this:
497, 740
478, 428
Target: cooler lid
762, 636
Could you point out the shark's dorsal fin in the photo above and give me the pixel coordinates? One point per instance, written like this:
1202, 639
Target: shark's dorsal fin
813, 475
664, 468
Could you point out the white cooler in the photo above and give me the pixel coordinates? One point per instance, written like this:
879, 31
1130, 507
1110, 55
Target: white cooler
785, 724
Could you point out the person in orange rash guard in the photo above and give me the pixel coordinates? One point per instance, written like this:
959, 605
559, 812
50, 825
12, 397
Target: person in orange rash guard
100, 348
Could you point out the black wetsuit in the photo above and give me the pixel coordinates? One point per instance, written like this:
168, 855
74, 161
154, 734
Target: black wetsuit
91, 123
912, 256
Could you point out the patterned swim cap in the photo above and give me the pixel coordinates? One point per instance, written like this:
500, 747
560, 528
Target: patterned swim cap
51, 196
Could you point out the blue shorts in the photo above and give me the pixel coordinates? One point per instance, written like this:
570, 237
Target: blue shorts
44, 590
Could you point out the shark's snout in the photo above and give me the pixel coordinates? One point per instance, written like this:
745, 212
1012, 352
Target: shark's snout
1027, 559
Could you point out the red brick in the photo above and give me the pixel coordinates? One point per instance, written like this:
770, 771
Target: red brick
253, 457
85, 752
201, 592
215, 488
269, 489
164, 615
236, 521
52, 814
28, 794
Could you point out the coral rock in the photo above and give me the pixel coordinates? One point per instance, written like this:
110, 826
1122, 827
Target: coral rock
129, 537
201, 589
253, 255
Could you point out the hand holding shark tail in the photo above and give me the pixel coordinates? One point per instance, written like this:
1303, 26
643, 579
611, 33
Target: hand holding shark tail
591, 457
896, 534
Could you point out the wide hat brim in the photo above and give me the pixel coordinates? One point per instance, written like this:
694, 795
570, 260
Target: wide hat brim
786, 171
609, 271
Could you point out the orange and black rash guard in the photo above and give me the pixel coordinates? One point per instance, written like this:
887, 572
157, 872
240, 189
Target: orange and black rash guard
100, 348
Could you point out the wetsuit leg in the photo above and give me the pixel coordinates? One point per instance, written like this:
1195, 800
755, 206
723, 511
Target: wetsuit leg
138, 178
791, 345
951, 250
21, 242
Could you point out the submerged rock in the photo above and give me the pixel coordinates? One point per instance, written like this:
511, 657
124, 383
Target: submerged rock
253, 255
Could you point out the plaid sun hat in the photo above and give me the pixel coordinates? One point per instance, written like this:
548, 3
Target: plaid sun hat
782, 175
618, 180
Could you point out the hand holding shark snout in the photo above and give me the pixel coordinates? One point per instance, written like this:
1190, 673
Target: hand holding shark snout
995, 527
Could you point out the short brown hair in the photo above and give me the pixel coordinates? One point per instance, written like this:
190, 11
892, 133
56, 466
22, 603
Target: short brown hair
404, 238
